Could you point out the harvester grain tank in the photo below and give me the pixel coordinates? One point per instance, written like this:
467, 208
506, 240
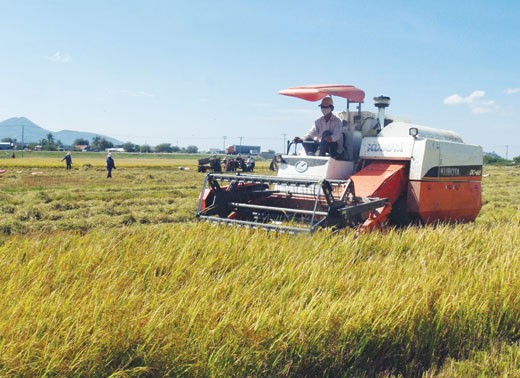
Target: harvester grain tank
388, 172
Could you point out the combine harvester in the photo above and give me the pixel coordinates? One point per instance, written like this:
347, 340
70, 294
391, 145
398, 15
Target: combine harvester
389, 172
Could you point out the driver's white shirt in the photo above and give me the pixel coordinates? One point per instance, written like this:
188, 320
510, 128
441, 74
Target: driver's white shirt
334, 125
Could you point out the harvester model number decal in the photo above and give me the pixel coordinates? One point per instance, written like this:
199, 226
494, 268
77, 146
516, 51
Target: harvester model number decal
376, 147
455, 171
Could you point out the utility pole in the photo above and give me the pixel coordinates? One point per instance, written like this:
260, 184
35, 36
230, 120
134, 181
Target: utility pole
507, 150
224, 144
23, 145
241, 141
283, 147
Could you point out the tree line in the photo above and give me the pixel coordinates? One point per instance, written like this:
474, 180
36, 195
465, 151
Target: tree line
497, 160
163, 147
98, 143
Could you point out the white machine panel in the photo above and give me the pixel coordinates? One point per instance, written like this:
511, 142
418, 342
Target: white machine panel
440, 159
315, 167
312, 167
386, 148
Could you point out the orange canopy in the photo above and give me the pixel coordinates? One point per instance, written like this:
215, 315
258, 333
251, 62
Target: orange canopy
317, 92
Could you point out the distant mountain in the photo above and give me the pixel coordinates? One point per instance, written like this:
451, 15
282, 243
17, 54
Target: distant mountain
32, 133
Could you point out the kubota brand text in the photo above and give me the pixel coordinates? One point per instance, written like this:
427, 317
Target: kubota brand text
394, 147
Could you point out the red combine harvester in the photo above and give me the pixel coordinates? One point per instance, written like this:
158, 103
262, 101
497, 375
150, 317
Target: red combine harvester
388, 172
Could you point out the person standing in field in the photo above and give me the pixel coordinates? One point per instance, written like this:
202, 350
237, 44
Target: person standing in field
110, 165
250, 164
68, 160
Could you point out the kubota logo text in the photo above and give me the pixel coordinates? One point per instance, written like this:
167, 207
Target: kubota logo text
392, 147
449, 171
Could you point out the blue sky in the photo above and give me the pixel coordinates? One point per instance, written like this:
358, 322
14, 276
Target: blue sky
190, 73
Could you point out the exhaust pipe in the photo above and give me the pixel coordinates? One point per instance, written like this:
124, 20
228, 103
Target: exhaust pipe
381, 103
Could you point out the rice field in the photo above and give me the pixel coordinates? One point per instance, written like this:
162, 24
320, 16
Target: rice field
114, 278
39, 194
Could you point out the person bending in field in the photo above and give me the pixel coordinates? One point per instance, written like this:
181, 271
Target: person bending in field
110, 165
68, 160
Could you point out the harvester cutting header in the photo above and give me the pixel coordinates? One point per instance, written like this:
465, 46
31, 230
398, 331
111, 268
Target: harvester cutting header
378, 172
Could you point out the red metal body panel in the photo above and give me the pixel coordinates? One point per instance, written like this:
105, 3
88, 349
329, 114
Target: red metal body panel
205, 197
444, 200
384, 179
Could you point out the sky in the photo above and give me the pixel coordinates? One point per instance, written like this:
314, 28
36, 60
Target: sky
207, 73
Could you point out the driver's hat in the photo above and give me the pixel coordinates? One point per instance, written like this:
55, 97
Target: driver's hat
327, 101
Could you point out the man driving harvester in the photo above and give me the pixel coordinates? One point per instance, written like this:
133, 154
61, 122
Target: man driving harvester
327, 130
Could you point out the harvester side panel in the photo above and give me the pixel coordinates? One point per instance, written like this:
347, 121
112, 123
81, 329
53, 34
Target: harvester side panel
445, 181
440, 159
446, 201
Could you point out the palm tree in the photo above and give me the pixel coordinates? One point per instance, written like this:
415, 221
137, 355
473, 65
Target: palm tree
50, 138
96, 141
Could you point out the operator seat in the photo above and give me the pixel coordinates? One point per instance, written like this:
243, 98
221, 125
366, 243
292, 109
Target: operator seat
342, 151
352, 139
353, 144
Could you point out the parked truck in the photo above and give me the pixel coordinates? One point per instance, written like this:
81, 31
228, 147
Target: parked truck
6, 146
243, 150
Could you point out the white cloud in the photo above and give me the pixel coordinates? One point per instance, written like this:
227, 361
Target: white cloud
453, 100
456, 99
60, 57
473, 97
510, 91
475, 101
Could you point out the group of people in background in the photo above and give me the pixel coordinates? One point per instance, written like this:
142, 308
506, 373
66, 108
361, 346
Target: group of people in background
231, 165
110, 163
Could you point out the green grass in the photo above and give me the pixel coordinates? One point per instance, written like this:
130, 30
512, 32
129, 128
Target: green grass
124, 283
